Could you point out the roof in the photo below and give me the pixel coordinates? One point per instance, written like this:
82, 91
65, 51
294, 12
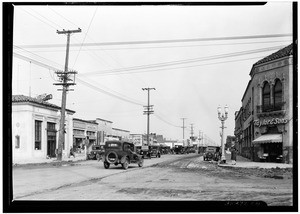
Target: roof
287, 51
27, 99
104, 120
86, 121
120, 130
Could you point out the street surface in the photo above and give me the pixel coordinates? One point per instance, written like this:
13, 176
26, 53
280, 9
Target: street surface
171, 177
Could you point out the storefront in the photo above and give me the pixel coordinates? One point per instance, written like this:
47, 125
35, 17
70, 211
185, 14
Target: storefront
272, 144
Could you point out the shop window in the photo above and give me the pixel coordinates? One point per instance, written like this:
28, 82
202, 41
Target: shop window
278, 93
266, 96
38, 135
17, 141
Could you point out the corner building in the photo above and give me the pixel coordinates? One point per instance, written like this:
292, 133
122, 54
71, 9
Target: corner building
264, 124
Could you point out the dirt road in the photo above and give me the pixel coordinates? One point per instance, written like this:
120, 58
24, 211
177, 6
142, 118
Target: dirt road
173, 177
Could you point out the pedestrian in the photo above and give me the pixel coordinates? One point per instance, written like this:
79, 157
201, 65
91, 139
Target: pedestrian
72, 152
233, 155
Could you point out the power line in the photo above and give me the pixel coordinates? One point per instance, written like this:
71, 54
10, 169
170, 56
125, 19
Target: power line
166, 41
185, 61
78, 79
176, 46
85, 36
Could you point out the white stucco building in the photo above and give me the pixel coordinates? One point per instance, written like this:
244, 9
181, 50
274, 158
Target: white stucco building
35, 125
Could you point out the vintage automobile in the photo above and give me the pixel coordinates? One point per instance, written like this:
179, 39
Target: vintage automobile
211, 153
96, 152
178, 149
155, 151
120, 152
145, 152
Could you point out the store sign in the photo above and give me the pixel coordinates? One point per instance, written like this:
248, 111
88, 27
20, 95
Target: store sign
272, 121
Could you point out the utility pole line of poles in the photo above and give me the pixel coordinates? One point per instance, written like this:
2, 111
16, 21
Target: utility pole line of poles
64, 77
148, 111
192, 134
192, 130
183, 127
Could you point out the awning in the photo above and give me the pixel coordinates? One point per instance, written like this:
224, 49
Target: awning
268, 138
79, 136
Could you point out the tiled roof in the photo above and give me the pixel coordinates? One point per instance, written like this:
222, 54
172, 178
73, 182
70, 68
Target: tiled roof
287, 51
23, 98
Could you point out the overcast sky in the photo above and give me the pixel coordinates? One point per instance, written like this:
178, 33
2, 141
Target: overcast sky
191, 78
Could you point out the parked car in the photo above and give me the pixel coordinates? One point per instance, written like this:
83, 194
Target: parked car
179, 149
145, 152
155, 151
121, 152
212, 153
96, 152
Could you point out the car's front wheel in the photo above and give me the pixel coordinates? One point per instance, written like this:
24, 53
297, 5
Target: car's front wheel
125, 164
106, 165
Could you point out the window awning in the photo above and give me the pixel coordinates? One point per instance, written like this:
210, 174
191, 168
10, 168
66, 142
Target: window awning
268, 138
79, 136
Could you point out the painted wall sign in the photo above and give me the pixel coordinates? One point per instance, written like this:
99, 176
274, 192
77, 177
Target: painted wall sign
272, 121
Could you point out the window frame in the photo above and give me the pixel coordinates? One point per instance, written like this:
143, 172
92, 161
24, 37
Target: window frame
266, 96
277, 82
38, 135
17, 142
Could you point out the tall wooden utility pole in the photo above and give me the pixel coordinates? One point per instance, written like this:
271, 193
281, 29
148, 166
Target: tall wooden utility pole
148, 111
64, 78
183, 127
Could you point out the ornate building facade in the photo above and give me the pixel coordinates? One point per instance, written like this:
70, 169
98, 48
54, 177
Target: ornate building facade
266, 132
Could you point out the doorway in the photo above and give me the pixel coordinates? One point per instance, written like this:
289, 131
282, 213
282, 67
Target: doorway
51, 140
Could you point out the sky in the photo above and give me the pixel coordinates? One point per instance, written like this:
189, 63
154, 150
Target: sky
196, 58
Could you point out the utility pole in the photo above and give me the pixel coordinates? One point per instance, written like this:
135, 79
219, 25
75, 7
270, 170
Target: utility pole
148, 111
64, 81
192, 134
192, 130
183, 127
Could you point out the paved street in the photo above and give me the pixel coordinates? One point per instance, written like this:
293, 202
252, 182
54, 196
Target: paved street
171, 177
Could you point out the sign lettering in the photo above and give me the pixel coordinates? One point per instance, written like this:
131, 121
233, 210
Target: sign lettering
272, 121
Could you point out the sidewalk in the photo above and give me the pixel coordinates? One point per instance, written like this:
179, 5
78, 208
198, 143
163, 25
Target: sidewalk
242, 162
78, 157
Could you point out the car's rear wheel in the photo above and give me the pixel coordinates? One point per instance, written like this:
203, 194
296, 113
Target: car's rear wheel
125, 164
106, 165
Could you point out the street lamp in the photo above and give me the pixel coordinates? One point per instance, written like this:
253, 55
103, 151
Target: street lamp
223, 117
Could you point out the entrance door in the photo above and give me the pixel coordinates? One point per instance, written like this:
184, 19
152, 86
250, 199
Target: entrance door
51, 139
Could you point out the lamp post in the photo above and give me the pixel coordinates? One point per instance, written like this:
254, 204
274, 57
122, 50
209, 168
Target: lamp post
222, 118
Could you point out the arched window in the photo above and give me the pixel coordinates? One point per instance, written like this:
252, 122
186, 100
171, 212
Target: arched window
266, 96
277, 93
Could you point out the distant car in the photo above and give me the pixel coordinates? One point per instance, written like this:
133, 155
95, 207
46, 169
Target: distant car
155, 151
96, 152
145, 152
178, 149
211, 153
120, 152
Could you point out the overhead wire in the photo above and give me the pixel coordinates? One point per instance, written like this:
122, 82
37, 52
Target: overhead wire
120, 97
179, 62
166, 41
85, 36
